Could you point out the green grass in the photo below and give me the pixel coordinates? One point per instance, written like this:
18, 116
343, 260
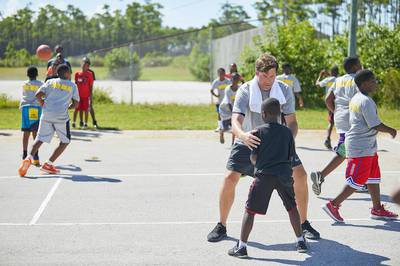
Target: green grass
171, 72
173, 116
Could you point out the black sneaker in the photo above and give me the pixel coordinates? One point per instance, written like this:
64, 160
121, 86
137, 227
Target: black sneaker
317, 180
73, 124
309, 232
238, 252
327, 144
301, 246
217, 234
81, 124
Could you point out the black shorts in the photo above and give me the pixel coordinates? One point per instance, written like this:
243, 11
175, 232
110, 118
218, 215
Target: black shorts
261, 190
226, 124
239, 160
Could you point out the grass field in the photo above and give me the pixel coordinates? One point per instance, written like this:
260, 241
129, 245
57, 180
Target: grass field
173, 116
151, 73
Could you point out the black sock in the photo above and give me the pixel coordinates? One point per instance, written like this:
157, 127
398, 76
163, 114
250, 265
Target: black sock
36, 156
24, 154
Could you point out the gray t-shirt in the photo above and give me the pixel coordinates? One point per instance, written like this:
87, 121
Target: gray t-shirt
225, 108
29, 90
291, 81
361, 137
344, 89
220, 85
58, 94
252, 119
327, 83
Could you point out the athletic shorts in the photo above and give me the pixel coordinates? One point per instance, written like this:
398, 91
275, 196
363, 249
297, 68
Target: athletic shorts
47, 129
261, 190
363, 170
84, 104
30, 118
239, 160
226, 124
330, 117
217, 107
340, 149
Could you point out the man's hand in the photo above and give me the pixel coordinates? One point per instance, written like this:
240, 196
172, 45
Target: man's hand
250, 140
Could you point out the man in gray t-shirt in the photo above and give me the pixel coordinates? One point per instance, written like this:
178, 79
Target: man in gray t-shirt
337, 102
55, 96
244, 121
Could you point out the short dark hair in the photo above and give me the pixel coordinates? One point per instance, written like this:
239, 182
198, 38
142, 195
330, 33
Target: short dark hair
236, 76
266, 62
271, 107
86, 60
221, 69
58, 47
335, 70
363, 76
286, 65
62, 70
32, 72
349, 63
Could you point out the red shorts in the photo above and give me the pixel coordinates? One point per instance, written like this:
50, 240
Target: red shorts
363, 170
83, 104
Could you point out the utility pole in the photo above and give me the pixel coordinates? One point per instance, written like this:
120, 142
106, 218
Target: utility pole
210, 47
353, 30
131, 68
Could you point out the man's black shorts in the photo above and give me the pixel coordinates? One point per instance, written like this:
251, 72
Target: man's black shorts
261, 190
239, 160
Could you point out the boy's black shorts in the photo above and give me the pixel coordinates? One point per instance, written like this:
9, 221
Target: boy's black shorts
261, 190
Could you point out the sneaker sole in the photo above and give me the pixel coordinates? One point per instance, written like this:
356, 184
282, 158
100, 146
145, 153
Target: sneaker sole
315, 187
239, 256
23, 169
375, 217
330, 214
302, 250
48, 171
217, 239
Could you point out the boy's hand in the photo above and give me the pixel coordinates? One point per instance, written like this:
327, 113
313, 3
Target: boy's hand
393, 132
250, 140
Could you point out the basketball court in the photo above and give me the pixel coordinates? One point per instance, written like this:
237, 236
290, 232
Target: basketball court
151, 198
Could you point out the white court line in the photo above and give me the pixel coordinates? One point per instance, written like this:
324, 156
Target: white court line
45, 202
175, 222
120, 175
151, 175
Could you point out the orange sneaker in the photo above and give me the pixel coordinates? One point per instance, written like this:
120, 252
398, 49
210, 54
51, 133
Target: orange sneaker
24, 167
50, 169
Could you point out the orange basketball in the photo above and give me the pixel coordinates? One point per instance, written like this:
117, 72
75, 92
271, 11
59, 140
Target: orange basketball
43, 52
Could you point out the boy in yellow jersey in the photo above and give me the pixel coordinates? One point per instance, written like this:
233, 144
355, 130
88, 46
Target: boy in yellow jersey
294, 84
55, 96
31, 111
218, 90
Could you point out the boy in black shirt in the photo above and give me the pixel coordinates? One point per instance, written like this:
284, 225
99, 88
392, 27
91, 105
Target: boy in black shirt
273, 170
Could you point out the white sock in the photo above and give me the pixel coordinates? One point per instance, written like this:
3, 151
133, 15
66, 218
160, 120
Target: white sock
30, 157
242, 244
300, 238
49, 162
220, 124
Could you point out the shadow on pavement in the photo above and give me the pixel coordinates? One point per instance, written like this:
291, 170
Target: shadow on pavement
390, 225
384, 198
323, 252
5, 134
69, 167
78, 178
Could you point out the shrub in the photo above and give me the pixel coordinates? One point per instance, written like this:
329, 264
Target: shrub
102, 96
117, 62
199, 64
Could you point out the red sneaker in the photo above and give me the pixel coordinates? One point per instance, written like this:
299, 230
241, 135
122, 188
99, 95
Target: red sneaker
383, 214
50, 169
333, 212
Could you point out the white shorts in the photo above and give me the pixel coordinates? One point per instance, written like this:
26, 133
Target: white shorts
47, 129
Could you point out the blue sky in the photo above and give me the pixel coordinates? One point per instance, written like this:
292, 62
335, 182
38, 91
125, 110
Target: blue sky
178, 13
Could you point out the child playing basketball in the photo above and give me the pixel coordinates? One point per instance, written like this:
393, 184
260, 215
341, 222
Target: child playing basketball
219, 84
84, 81
31, 111
273, 171
225, 108
328, 83
55, 96
361, 150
